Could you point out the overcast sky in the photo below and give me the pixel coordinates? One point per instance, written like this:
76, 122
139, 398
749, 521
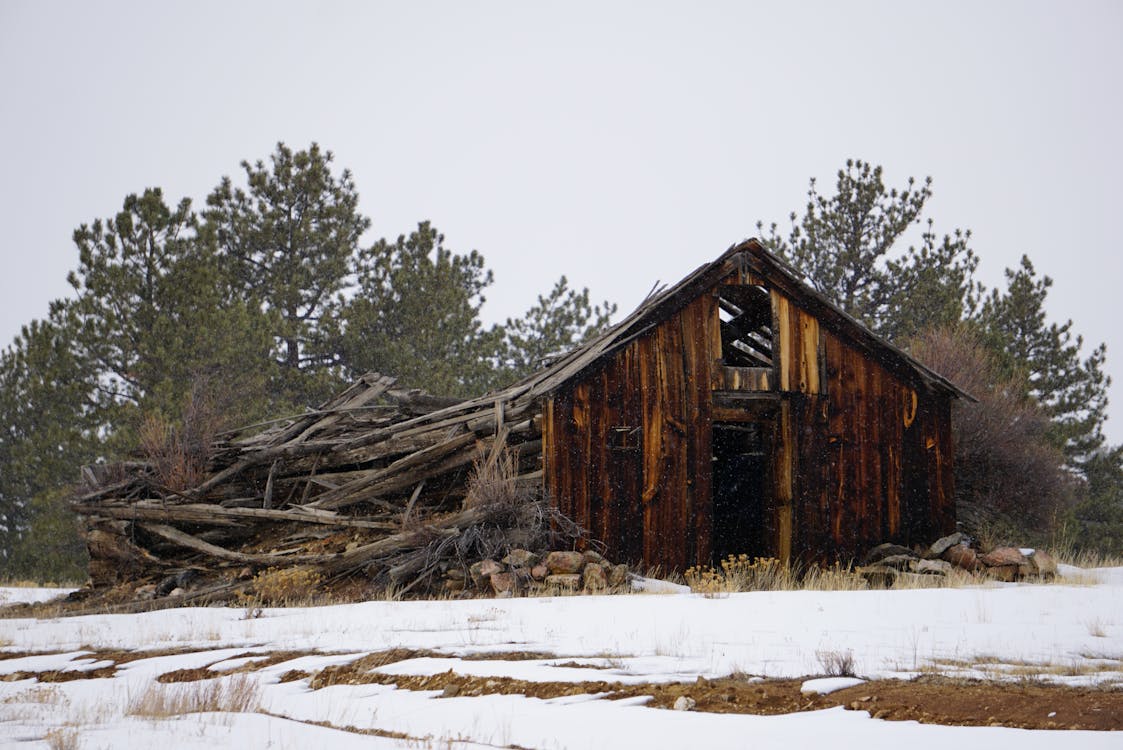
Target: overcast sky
617, 143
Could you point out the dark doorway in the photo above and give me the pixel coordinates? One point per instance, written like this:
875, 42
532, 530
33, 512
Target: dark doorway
741, 489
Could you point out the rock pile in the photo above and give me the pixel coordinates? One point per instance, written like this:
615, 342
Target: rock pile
525, 572
885, 564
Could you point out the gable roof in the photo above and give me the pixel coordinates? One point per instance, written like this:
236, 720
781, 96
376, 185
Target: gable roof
662, 304
750, 255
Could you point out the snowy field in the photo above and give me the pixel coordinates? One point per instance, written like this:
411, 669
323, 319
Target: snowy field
1072, 633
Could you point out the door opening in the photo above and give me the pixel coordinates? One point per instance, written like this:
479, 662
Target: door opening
742, 481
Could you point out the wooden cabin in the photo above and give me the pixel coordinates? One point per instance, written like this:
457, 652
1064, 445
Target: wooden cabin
740, 411
736, 412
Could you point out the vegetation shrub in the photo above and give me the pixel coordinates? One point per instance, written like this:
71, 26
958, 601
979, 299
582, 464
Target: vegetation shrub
1011, 484
745, 573
286, 586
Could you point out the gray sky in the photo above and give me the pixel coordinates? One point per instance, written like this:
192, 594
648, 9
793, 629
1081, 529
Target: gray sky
617, 143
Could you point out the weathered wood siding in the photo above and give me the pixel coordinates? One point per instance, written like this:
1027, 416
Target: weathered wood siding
863, 457
628, 443
859, 455
888, 460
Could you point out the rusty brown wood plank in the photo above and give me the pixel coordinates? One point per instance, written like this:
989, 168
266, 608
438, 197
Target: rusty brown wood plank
876, 531
785, 458
597, 443
549, 459
894, 424
674, 508
782, 343
629, 477
809, 345
562, 438
701, 469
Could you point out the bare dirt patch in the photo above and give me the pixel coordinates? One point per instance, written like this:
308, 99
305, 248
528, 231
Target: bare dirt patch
930, 700
115, 656
261, 660
506, 656
941, 700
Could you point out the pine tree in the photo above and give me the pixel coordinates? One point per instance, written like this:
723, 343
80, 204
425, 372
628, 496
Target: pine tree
1071, 389
846, 244
416, 315
1097, 520
290, 237
47, 425
558, 322
154, 314
120, 283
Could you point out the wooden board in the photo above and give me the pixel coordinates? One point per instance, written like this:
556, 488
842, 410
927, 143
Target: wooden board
796, 347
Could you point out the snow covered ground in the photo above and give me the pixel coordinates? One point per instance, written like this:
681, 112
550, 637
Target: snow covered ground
1072, 633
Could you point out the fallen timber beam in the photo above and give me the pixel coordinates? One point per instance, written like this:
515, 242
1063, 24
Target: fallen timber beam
347, 492
359, 556
267, 455
368, 387
218, 593
441, 418
397, 481
184, 539
216, 515
343, 562
257, 457
362, 399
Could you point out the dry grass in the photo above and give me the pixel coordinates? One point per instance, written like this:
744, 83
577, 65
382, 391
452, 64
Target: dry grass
62, 739
999, 669
739, 573
1096, 628
24, 583
283, 587
743, 573
237, 694
47, 695
957, 578
1067, 554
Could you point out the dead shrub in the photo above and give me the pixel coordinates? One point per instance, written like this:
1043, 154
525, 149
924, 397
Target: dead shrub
512, 515
745, 573
179, 452
836, 663
1009, 479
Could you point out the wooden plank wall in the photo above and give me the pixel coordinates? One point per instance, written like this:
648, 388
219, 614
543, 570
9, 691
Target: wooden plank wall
647, 499
889, 459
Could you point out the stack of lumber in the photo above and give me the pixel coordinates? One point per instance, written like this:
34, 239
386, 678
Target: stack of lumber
342, 489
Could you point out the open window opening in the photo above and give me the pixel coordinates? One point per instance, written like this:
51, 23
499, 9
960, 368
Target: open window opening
746, 326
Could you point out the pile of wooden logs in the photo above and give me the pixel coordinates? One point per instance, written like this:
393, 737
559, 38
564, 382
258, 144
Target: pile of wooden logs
372, 477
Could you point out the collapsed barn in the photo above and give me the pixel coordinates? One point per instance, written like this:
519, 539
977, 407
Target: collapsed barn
738, 411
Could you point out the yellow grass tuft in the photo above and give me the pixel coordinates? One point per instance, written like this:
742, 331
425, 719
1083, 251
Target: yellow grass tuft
238, 694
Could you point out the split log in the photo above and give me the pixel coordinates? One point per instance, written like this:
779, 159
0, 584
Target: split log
217, 515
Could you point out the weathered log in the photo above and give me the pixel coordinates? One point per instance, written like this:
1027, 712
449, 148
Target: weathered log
372, 485
217, 515
184, 539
